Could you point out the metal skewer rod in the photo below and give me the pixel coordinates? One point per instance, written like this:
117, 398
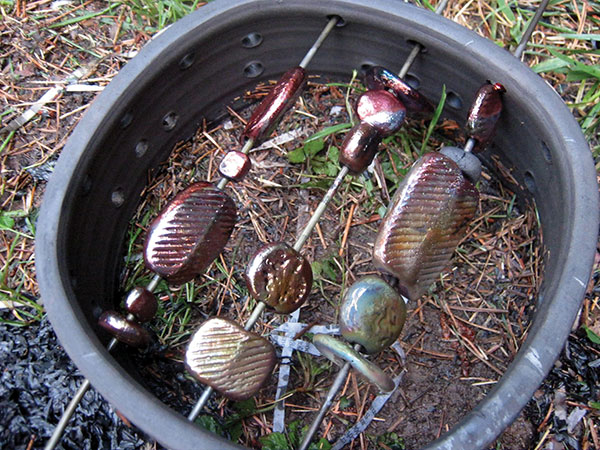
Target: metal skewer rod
418, 47
72, 406
470, 144
529, 31
259, 309
338, 382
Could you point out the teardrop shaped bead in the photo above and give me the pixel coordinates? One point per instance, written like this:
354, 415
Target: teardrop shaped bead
190, 232
141, 303
372, 314
231, 360
339, 352
124, 330
280, 277
424, 222
282, 97
484, 114
359, 147
235, 165
416, 104
382, 110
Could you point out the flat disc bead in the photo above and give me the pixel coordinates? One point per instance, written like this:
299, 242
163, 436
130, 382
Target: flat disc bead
339, 352
280, 277
281, 98
141, 303
381, 110
123, 330
372, 314
231, 360
235, 165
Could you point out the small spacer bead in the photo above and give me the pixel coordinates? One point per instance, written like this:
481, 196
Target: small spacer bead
141, 303
124, 330
235, 165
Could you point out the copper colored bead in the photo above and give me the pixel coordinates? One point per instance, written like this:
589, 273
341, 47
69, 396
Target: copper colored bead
231, 360
339, 352
189, 233
235, 165
141, 303
484, 114
417, 105
359, 147
372, 314
123, 330
424, 222
381, 110
279, 276
281, 98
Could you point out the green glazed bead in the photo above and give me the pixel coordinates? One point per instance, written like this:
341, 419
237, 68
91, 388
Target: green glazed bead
339, 351
372, 314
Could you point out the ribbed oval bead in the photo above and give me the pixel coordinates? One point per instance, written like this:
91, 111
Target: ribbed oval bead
340, 352
484, 114
141, 303
279, 276
235, 165
359, 147
382, 110
190, 232
372, 314
123, 330
417, 105
282, 96
424, 222
231, 360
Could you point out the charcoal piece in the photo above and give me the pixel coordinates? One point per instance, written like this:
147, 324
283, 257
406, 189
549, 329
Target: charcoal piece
190, 232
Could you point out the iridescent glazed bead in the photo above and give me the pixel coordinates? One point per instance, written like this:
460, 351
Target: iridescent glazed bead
359, 147
424, 222
235, 165
417, 105
190, 232
141, 303
124, 330
280, 277
372, 314
484, 114
281, 98
381, 110
340, 352
231, 360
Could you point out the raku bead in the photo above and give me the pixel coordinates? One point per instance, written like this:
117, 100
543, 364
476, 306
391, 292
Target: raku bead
189, 233
124, 330
141, 303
